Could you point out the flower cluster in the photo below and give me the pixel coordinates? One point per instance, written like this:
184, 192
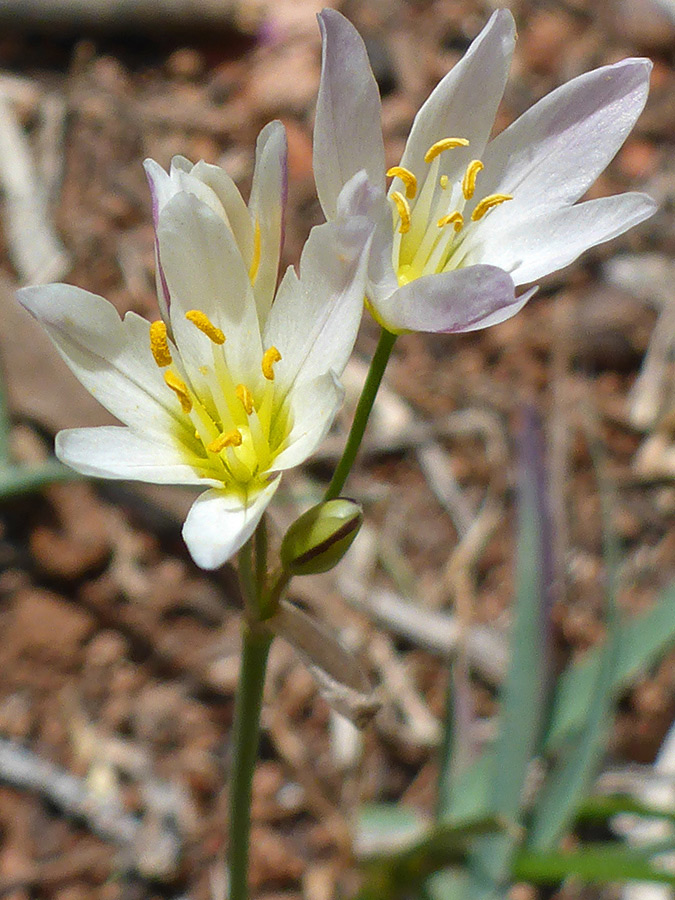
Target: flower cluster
234, 384
238, 379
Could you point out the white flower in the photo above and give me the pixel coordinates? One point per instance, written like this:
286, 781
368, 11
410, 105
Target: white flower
227, 389
472, 219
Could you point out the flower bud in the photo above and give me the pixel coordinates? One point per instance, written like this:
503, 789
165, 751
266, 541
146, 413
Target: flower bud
319, 539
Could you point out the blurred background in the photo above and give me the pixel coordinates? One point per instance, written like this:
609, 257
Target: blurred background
118, 658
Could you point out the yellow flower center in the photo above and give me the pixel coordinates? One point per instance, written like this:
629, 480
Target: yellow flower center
231, 432
426, 246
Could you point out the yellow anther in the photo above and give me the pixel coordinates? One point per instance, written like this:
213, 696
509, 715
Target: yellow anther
180, 390
406, 177
443, 181
487, 204
246, 397
159, 345
270, 357
202, 321
226, 439
403, 209
445, 144
469, 180
255, 261
456, 219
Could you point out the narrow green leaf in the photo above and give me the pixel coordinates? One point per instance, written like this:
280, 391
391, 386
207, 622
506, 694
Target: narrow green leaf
641, 642
599, 864
383, 828
16, 480
524, 692
569, 781
600, 809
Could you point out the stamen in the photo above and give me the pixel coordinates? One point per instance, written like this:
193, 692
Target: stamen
270, 357
205, 325
226, 439
469, 180
406, 177
159, 344
443, 181
403, 209
246, 397
487, 203
255, 262
456, 219
442, 145
180, 390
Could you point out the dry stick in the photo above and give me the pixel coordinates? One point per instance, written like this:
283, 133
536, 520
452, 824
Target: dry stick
34, 248
115, 14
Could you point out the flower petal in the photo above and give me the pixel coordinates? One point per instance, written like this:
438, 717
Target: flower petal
161, 191
462, 300
110, 357
205, 271
267, 205
465, 102
556, 150
316, 316
347, 129
530, 249
313, 406
116, 452
232, 203
220, 522
360, 198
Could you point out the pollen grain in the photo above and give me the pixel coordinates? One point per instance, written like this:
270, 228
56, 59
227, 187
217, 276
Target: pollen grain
159, 344
255, 260
180, 390
443, 145
456, 219
245, 397
469, 180
403, 209
407, 177
488, 203
226, 439
270, 356
201, 321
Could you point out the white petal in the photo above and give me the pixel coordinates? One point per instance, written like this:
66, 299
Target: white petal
556, 150
315, 317
115, 452
530, 249
359, 198
110, 357
313, 406
267, 205
205, 271
347, 129
462, 300
220, 522
465, 102
232, 204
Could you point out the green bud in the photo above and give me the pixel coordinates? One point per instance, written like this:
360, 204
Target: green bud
319, 539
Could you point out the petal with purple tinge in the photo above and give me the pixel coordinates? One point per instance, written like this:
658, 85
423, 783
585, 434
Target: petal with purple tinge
530, 249
347, 129
462, 300
555, 151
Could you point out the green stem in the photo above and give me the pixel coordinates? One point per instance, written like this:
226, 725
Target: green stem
255, 647
5, 424
370, 388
